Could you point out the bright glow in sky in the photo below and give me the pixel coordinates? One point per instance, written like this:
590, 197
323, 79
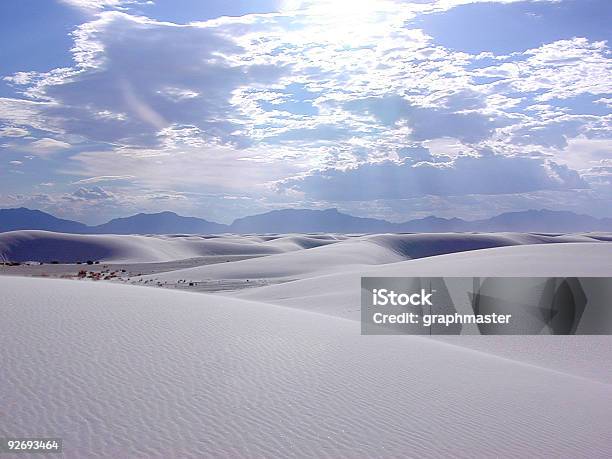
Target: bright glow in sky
393, 109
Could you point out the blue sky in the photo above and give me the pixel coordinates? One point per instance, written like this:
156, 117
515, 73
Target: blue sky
388, 108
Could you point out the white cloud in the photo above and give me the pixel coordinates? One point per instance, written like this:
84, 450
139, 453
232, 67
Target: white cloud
607, 101
178, 94
94, 193
46, 145
583, 153
13, 132
558, 70
103, 178
203, 169
108, 115
21, 113
97, 5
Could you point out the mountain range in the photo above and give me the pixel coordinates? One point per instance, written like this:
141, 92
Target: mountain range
304, 221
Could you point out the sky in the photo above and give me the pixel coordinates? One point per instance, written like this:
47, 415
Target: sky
390, 109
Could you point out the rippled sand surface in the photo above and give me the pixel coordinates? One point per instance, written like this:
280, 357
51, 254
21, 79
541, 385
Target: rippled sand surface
126, 371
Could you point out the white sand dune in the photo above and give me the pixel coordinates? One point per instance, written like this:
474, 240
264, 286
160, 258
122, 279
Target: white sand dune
289, 265
47, 246
124, 371
357, 253
300, 241
412, 246
338, 293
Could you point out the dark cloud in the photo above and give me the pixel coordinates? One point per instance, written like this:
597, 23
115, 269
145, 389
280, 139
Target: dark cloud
429, 123
148, 76
552, 133
487, 175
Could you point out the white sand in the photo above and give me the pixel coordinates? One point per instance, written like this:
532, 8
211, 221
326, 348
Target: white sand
48, 246
338, 293
34, 245
290, 265
356, 253
591, 356
282, 370
124, 371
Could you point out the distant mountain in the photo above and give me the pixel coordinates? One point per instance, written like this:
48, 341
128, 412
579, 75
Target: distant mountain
545, 221
306, 221
160, 223
330, 220
22, 218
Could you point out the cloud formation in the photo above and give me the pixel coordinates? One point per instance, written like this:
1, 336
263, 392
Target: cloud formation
318, 96
466, 175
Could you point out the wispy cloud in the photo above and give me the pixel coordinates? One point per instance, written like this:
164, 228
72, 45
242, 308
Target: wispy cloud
103, 178
97, 5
